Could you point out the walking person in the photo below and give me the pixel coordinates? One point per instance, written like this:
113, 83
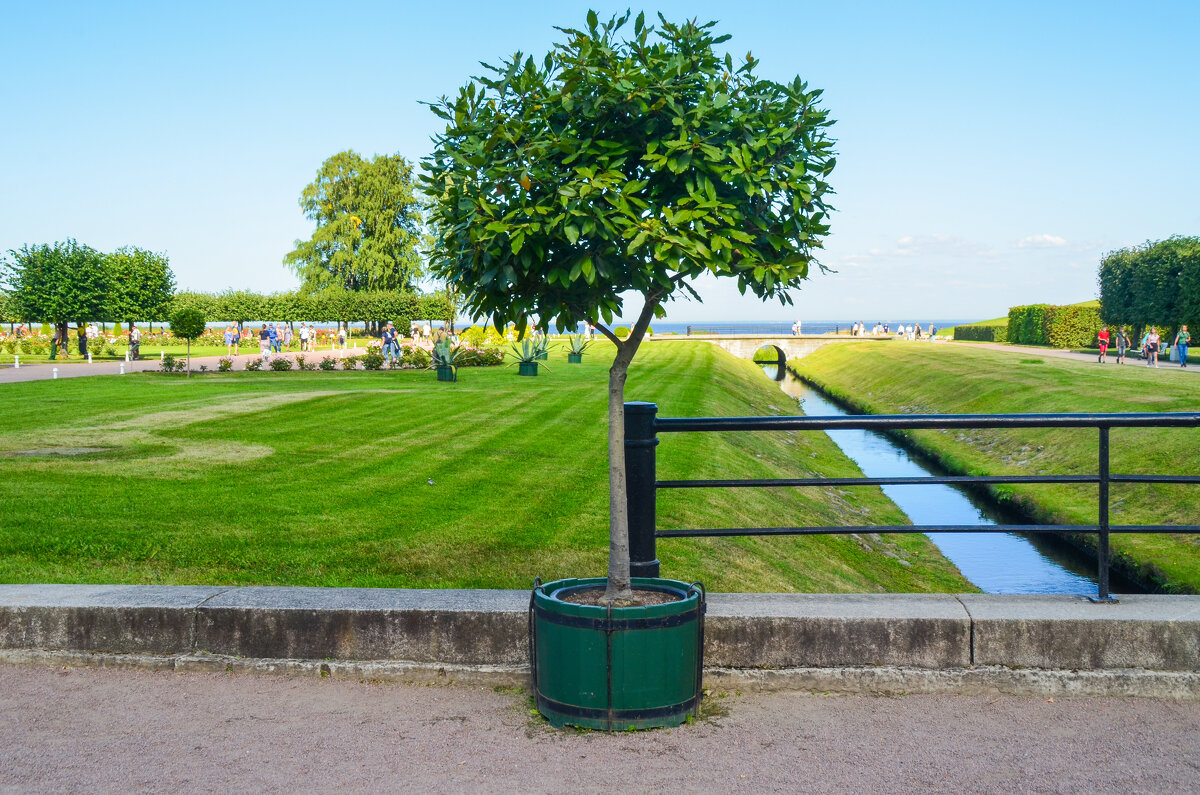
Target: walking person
389, 339
287, 336
1152, 341
303, 337
237, 338
135, 343
264, 343
341, 337
229, 340
1102, 338
1182, 340
1122, 344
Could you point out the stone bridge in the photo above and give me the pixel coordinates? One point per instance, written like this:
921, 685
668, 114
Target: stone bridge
786, 346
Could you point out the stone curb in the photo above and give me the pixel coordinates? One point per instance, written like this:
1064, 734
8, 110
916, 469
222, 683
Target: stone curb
883, 681
810, 640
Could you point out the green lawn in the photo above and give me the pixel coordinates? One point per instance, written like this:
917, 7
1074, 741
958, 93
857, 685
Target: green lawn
323, 479
900, 379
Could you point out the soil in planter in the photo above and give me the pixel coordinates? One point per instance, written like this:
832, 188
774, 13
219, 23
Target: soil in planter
642, 597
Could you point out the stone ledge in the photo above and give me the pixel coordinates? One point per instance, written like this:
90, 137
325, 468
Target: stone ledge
440, 628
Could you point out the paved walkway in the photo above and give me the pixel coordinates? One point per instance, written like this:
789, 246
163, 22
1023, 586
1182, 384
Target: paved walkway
77, 367
120, 731
1055, 353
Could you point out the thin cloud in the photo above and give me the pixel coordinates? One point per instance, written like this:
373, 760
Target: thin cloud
1041, 241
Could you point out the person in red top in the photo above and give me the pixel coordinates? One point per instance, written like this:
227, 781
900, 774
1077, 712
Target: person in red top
1103, 338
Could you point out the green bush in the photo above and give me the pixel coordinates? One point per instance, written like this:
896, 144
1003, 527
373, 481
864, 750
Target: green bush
305, 365
254, 364
328, 363
1071, 326
372, 359
281, 364
413, 356
622, 332
225, 364
480, 357
350, 362
167, 364
982, 333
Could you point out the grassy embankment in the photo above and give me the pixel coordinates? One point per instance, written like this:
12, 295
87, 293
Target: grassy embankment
902, 379
323, 479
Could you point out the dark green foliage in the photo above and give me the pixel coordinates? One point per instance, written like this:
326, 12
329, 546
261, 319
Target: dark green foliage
341, 305
368, 225
281, 364
371, 360
1072, 326
1156, 284
187, 324
982, 333
625, 165
328, 363
63, 283
254, 364
142, 285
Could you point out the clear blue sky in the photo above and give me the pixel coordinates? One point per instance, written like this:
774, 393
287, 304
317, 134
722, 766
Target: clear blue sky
989, 152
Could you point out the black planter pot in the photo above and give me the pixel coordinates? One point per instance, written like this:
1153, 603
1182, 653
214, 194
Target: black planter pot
613, 669
526, 368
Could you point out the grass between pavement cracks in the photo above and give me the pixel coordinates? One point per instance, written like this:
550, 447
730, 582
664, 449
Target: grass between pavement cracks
902, 379
324, 479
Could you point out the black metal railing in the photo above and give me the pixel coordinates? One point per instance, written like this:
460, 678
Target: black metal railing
642, 426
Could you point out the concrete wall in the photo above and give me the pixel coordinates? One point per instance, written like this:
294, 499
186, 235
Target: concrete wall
884, 642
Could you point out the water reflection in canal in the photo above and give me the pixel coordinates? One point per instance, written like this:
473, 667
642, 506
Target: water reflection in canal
995, 562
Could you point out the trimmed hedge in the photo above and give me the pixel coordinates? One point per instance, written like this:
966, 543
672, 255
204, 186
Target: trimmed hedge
981, 333
1155, 284
1057, 326
341, 305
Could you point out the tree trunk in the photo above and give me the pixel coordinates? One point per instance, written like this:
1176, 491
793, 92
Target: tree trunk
618, 589
189, 358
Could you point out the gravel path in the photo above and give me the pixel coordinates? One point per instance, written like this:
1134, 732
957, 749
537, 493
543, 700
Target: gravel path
77, 367
111, 730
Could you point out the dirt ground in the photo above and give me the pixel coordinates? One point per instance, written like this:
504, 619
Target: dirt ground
111, 730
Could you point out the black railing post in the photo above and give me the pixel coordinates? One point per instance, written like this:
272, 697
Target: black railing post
1102, 553
641, 438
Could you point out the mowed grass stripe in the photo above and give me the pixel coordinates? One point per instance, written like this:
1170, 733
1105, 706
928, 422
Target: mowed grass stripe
323, 480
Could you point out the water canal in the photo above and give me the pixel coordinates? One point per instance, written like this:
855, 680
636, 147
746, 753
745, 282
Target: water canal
995, 562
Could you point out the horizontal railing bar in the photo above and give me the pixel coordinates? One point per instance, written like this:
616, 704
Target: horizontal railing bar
1154, 478
905, 528
886, 422
897, 481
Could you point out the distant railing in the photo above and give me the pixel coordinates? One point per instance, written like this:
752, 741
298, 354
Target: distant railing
642, 426
767, 329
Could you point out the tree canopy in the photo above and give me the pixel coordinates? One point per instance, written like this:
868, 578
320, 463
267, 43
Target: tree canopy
61, 283
142, 284
368, 225
614, 165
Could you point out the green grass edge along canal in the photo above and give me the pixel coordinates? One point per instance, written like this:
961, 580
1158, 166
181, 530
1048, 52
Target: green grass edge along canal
392, 479
903, 378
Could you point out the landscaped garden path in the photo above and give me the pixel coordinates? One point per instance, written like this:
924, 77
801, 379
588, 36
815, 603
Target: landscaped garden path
77, 366
120, 731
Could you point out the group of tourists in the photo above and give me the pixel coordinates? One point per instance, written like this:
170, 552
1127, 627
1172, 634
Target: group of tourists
275, 338
912, 331
1149, 348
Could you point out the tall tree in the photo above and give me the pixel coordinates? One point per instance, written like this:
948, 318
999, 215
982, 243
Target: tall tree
63, 283
368, 225
142, 285
625, 165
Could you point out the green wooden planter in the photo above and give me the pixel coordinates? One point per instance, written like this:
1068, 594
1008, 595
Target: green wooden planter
544, 356
447, 372
597, 668
575, 358
526, 368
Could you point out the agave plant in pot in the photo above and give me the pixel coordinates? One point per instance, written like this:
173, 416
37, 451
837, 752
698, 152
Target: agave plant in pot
527, 355
678, 165
578, 345
442, 358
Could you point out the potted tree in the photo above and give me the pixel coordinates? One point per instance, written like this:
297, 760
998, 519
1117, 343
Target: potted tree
189, 324
526, 356
624, 162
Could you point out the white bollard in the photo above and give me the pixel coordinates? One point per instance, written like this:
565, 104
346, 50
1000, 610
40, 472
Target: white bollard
161, 354
122, 368
126, 355
56, 372
89, 357
16, 362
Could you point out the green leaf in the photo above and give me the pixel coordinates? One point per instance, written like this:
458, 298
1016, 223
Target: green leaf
572, 233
